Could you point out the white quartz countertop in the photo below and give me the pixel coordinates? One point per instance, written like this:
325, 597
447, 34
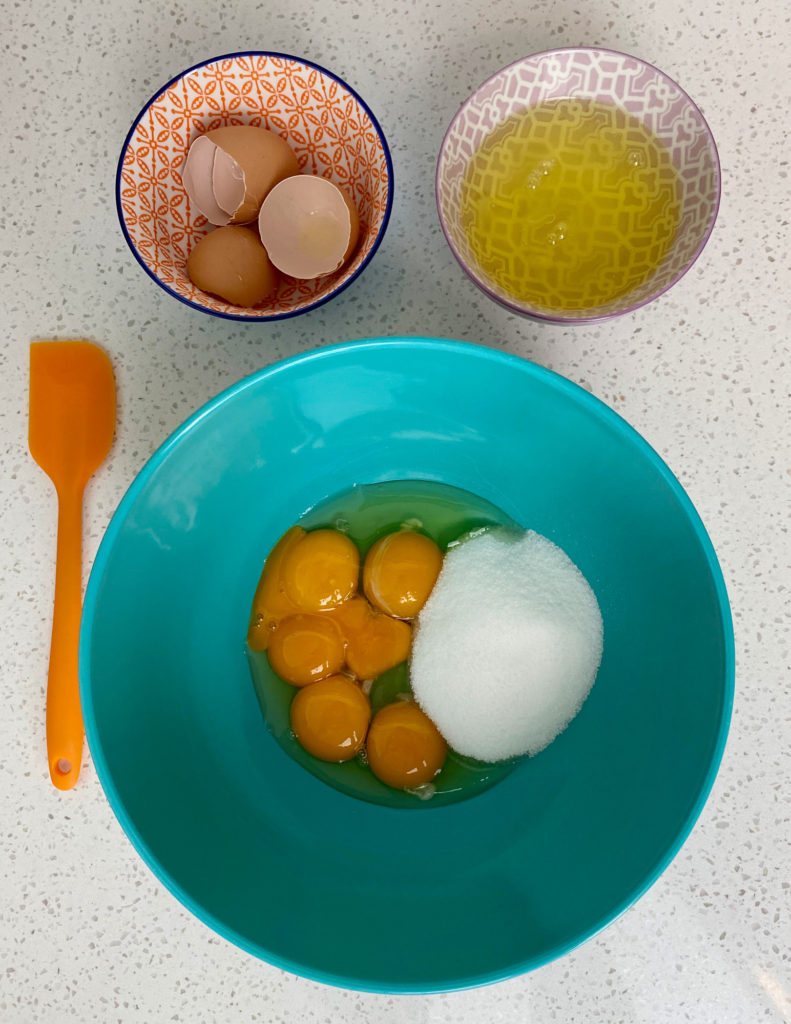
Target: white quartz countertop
87, 934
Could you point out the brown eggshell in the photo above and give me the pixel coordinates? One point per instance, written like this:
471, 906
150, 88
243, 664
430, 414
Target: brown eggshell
197, 177
354, 224
231, 262
265, 159
309, 226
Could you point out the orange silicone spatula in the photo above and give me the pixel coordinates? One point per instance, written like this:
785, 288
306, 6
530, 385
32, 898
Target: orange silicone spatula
72, 421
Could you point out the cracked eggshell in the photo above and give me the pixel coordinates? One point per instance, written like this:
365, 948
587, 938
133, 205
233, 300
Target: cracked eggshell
197, 177
309, 226
229, 170
231, 262
265, 159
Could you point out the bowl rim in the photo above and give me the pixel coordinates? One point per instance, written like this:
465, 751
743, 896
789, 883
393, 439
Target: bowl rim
405, 344
533, 314
240, 316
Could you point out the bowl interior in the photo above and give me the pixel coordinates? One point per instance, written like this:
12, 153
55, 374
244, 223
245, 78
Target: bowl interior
350, 892
330, 129
606, 77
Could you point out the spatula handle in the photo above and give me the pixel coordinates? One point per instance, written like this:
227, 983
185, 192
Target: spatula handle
64, 717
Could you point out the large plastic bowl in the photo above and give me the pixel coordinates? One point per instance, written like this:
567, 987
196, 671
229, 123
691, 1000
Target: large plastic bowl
320, 883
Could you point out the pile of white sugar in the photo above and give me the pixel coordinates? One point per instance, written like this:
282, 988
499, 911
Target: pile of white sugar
507, 646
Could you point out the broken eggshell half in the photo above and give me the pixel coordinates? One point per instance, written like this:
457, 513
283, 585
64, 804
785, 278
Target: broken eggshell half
308, 225
229, 171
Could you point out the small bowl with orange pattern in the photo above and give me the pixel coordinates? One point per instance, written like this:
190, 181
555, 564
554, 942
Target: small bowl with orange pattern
330, 128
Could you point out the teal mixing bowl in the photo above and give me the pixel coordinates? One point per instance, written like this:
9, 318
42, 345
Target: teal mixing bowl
357, 894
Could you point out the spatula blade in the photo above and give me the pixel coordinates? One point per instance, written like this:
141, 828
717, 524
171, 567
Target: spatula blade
72, 409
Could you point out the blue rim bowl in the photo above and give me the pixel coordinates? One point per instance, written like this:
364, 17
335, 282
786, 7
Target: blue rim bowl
229, 111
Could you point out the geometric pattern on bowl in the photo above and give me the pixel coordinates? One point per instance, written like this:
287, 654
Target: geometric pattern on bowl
328, 126
602, 76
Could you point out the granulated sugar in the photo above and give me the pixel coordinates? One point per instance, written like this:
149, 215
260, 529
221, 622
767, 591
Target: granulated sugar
507, 647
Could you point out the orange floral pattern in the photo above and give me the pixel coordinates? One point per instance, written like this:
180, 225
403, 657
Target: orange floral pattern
327, 126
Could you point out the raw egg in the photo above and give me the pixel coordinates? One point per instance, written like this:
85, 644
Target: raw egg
308, 225
231, 262
322, 570
374, 642
404, 747
400, 571
330, 718
305, 648
271, 602
229, 171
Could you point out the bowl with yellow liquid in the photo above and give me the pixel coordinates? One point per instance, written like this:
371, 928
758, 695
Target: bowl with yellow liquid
577, 184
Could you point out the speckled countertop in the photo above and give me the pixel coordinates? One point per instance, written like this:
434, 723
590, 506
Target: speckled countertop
86, 932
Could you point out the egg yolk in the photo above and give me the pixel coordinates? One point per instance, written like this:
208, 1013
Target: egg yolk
330, 718
400, 572
321, 571
404, 747
271, 603
374, 642
305, 648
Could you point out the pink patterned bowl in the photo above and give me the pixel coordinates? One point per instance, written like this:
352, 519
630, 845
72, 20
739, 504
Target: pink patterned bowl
326, 123
602, 76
